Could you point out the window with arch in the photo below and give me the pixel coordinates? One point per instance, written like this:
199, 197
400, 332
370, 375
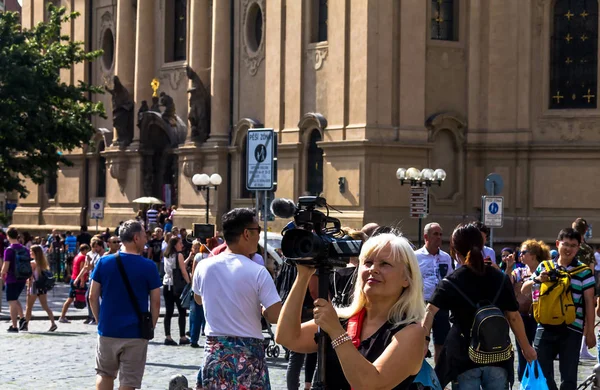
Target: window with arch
319, 20
444, 20
101, 172
574, 54
314, 164
176, 31
244, 192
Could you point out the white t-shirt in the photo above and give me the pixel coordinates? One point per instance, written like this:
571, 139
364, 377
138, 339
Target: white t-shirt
597, 266
433, 269
489, 252
233, 288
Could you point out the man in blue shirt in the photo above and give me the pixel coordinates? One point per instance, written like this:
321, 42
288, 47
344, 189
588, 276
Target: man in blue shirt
120, 345
71, 243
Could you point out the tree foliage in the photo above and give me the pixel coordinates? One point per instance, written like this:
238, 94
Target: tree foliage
41, 116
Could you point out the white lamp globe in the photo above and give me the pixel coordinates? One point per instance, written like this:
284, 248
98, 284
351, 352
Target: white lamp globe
426, 174
401, 173
200, 179
439, 175
413, 174
216, 179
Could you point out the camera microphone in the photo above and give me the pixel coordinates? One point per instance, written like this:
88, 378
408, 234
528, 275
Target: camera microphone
283, 208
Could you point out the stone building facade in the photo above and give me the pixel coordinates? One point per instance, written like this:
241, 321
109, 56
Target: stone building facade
354, 89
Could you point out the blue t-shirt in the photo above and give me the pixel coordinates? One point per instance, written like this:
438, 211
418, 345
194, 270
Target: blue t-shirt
117, 315
71, 241
168, 227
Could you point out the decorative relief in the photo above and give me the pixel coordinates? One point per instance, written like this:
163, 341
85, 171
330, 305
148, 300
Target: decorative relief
107, 24
253, 52
446, 58
188, 168
318, 53
118, 168
569, 130
173, 76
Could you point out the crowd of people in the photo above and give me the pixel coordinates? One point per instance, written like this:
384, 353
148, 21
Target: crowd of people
388, 297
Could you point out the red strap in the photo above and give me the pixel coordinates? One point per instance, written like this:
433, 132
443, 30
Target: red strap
355, 327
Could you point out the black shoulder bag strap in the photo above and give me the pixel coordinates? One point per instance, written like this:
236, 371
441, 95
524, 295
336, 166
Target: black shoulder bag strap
458, 290
134, 301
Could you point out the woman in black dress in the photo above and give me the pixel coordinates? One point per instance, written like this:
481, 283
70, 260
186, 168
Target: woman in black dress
379, 329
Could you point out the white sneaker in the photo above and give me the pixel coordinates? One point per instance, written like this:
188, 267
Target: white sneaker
63, 320
585, 355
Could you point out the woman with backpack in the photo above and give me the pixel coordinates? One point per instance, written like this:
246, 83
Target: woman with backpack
39, 264
532, 253
175, 279
478, 351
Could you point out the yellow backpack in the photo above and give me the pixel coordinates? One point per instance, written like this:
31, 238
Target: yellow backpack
555, 304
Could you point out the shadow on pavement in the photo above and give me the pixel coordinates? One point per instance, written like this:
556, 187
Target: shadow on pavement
57, 333
179, 367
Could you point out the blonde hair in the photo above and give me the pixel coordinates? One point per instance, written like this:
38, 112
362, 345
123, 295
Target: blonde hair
39, 258
538, 248
410, 306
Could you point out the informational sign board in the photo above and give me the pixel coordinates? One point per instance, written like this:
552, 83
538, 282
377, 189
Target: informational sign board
96, 208
419, 202
261, 148
493, 211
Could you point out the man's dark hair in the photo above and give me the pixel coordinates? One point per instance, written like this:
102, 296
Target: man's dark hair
570, 234
235, 222
482, 228
12, 233
68, 233
580, 225
83, 228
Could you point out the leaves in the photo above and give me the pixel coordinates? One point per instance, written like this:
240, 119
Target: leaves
41, 116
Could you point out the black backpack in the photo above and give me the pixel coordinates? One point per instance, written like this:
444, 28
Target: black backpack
489, 336
45, 281
23, 270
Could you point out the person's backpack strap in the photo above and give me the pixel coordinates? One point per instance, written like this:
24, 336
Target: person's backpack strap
578, 269
134, 301
458, 290
499, 290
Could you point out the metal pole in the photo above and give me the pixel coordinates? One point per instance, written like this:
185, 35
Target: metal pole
96, 225
419, 232
265, 229
207, 203
492, 229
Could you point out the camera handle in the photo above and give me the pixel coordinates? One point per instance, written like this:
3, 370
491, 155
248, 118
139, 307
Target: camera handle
321, 336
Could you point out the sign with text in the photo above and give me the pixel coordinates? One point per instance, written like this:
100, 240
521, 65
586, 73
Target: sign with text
96, 208
261, 157
493, 211
419, 202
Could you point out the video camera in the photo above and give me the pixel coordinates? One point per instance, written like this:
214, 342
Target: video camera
313, 242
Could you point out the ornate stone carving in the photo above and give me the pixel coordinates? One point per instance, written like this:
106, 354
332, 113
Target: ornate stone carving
118, 168
122, 113
253, 58
106, 23
568, 129
188, 168
169, 114
199, 115
173, 76
319, 54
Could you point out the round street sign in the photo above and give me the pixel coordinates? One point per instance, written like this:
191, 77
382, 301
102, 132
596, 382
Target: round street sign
493, 208
494, 184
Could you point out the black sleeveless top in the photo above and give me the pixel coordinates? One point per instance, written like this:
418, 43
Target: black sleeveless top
370, 348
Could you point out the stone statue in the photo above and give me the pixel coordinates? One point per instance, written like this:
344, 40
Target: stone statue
199, 115
155, 105
122, 113
169, 113
141, 111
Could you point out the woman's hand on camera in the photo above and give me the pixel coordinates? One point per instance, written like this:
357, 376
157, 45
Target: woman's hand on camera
305, 271
326, 317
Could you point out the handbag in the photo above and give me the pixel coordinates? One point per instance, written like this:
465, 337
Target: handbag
530, 381
179, 282
146, 325
186, 297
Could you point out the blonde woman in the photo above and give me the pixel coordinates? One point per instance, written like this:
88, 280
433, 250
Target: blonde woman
38, 264
380, 327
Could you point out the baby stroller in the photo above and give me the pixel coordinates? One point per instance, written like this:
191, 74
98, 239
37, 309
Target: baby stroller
271, 347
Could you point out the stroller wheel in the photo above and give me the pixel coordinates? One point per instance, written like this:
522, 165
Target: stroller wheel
269, 351
276, 351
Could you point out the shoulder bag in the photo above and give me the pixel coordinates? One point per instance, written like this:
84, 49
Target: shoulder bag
179, 282
146, 326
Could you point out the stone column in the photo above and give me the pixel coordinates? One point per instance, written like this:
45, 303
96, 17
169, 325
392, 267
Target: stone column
199, 38
125, 50
220, 72
144, 61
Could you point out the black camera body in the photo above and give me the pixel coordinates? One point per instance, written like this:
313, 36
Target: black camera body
313, 242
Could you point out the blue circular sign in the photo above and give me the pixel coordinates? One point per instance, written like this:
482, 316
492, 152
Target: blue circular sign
96, 206
493, 208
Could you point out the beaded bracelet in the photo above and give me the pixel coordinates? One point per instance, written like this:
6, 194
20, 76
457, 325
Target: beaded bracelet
341, 339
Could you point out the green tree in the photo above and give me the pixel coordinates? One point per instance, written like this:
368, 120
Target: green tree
40, 116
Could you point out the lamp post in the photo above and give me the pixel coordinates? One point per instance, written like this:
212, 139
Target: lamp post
204, 182
418, 179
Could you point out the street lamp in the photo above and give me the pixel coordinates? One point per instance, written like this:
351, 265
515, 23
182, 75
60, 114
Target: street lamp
204, 182
417, 179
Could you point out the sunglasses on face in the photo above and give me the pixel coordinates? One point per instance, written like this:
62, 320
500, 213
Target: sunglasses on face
524, 252
258, 229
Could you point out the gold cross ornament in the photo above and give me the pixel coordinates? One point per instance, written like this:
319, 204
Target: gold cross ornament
589, 96
584, 14
568, 61
155, 84
584, 37
569, 15
558, 96
569, 38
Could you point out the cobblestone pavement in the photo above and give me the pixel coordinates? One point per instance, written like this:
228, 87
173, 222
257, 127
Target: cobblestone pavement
65, 359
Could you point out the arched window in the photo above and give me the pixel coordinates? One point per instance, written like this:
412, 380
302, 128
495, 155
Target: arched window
314, 161
574, 54
244, 192
176, 31
101, 173
443, 17
319, 20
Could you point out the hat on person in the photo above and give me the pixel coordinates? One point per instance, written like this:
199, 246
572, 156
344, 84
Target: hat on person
554, 254
507, 249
